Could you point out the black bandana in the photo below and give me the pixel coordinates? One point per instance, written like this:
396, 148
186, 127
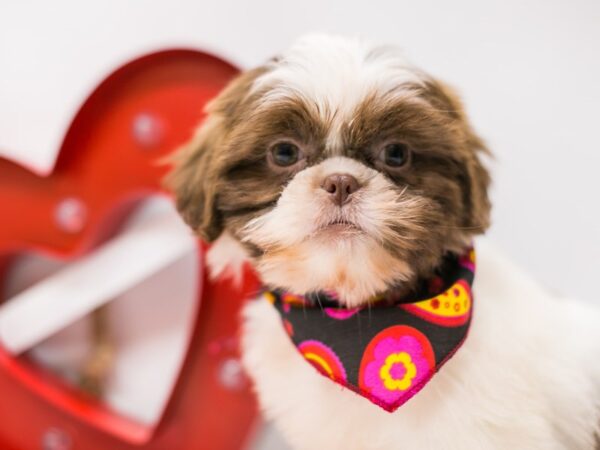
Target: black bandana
389, 350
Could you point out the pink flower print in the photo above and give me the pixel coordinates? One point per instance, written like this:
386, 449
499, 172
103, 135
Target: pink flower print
395, 365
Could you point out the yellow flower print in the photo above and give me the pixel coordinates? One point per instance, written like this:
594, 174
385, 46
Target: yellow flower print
410, 371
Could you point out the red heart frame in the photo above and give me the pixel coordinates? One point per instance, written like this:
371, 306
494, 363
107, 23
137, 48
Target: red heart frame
109, 169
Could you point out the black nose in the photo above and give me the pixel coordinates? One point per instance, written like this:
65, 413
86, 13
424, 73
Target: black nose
340, 187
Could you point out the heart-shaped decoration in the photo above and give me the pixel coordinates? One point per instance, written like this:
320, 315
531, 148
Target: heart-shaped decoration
106, 166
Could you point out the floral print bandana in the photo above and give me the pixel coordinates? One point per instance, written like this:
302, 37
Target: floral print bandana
389, 350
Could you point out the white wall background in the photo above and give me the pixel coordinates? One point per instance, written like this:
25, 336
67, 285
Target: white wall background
529, 72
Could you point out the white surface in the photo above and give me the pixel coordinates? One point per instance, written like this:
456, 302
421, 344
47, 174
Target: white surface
528, 71
94, 280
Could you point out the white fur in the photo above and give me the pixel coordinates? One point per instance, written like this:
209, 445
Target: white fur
301, 259
225, 259
336, 74
528, 377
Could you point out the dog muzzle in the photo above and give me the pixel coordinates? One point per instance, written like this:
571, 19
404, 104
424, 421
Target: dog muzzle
390, 349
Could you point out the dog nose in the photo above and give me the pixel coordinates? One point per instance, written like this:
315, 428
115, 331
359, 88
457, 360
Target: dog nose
340, 187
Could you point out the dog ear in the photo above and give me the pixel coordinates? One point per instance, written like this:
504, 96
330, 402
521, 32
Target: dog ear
195, 176
476, 181
193, 184
478, 217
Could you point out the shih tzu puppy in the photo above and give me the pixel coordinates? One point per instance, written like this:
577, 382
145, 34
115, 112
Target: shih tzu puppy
353, 183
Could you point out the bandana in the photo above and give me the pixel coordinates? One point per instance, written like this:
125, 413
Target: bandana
387, 351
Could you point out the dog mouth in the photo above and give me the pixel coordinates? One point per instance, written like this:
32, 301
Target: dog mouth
339, 226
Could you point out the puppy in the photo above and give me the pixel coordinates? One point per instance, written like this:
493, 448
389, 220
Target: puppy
339, 168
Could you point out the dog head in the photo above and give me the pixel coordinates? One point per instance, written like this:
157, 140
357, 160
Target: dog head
337, 166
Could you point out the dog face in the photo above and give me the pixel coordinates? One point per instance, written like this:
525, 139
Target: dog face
338, 166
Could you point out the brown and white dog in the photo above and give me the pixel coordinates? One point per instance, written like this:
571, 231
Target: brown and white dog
338, 165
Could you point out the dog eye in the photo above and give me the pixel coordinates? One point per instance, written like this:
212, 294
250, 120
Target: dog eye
395, 155
285, 154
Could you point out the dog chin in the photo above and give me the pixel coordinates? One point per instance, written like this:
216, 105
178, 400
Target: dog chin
348, 262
